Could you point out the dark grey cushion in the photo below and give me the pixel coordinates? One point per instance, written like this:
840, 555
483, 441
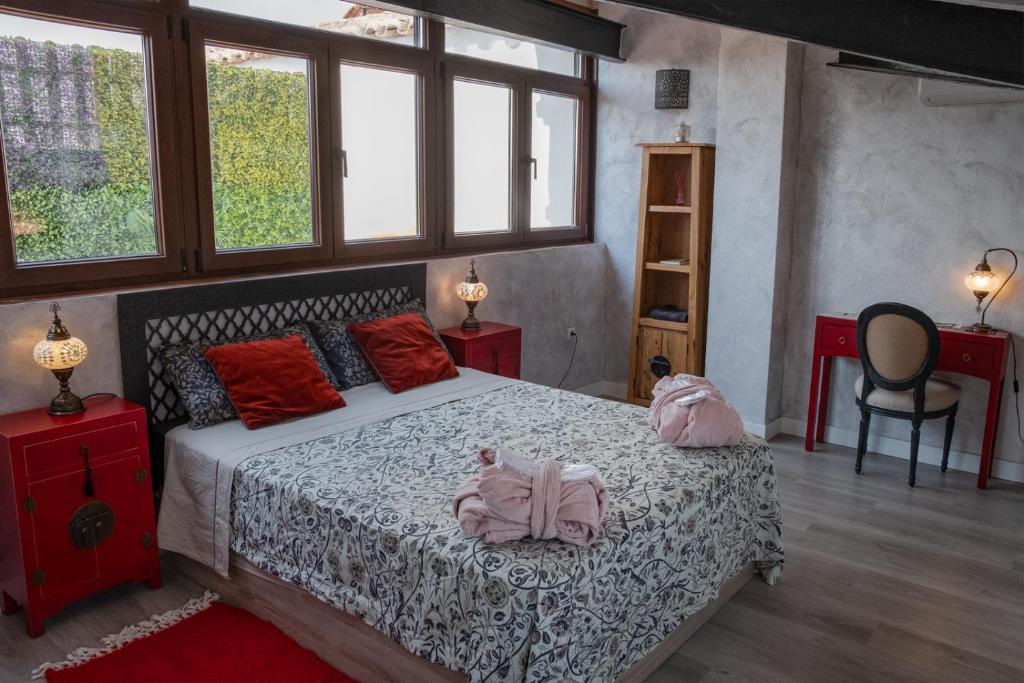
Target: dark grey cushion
201, 392
343, 354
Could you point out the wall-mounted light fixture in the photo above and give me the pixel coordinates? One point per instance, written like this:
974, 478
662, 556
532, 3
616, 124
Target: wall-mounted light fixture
672, 89
982, 281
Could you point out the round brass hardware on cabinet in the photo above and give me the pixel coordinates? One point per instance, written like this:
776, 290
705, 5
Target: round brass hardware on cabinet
967, 358
842, 340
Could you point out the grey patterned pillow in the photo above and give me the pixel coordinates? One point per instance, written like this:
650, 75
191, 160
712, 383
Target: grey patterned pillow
200, 390
343, 353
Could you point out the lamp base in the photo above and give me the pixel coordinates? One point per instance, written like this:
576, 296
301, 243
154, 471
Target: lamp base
471, 324
65, 403
980, 328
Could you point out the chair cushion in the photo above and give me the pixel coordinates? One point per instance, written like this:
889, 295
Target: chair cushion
938, 395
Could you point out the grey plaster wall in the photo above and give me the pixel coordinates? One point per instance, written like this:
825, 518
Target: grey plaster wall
754, 172
626, 117
542, 290
897, 201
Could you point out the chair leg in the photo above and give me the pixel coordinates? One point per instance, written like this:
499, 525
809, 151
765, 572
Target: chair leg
950, 422
915, 441
862, 438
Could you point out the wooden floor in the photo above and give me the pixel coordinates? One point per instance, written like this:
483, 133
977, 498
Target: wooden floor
882, 583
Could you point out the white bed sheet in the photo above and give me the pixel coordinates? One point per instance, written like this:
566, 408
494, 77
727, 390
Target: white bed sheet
195, 510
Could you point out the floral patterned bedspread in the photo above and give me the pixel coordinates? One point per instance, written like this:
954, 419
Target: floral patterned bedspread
363, 519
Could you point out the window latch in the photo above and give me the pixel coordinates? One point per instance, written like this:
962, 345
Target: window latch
533, 163
344, 164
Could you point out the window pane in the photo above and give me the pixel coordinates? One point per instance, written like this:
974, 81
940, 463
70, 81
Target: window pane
483, 157
349, 18
379, 112
553, 183
259, 147
75, 131
513, 51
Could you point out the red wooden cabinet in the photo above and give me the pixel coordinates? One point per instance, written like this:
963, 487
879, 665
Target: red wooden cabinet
76, 506
494, 348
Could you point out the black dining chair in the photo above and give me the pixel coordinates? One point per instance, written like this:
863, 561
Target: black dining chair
899, 348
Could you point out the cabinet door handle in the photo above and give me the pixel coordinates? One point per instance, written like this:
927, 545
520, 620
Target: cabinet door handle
842, 340
967, 358
87, 487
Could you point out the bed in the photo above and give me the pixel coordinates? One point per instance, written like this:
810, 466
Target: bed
339, 529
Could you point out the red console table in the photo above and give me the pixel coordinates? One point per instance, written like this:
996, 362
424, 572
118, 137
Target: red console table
963, 352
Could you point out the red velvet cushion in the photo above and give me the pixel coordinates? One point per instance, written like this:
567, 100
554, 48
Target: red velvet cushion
404, 351
272, 380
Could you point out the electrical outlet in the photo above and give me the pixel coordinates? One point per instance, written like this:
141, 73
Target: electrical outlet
570, 333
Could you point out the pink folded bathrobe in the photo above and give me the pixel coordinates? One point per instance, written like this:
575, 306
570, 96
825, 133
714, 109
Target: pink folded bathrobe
690, 411
501, 504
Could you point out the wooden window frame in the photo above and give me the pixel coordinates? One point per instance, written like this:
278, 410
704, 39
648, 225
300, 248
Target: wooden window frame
419, 63
159, 64
581, 92
467, 69
284, 44
182, 172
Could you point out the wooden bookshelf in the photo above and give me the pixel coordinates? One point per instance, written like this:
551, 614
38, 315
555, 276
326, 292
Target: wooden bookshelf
676, 191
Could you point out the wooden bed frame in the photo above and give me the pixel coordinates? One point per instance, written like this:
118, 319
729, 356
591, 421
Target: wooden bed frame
349, 644
215, 312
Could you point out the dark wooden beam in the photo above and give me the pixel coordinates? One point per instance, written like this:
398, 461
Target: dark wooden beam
545, 22
982, 42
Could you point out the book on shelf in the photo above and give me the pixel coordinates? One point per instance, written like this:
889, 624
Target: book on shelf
675, 261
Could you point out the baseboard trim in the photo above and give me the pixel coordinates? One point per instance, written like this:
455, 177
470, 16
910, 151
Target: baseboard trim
604, 388
898, 448
765, 431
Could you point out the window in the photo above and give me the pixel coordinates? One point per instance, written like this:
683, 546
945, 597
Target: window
261, 118
347, 18
165, 140
258, 105
553, 141
76, 137
482, 157
512, 51
79, 197
380, 140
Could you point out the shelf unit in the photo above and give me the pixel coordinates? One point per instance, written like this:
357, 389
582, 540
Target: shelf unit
676, 192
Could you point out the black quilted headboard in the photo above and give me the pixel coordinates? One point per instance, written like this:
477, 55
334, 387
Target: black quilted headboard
216, 312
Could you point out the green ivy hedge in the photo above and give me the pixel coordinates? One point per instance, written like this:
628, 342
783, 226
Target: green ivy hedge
260, 143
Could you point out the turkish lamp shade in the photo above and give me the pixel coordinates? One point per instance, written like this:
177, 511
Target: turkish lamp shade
60, 354
981, 281
471, 291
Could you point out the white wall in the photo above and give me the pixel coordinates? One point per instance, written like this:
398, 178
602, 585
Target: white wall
625, 118
897, 201
754, 163
542, 290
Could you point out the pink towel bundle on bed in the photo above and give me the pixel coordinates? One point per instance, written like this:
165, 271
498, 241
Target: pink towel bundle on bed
690, 411
503, 504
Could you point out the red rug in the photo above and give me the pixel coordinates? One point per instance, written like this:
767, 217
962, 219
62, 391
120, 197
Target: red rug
217, 643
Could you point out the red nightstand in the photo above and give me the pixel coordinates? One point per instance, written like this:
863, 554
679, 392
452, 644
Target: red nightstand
494, 348
58, 543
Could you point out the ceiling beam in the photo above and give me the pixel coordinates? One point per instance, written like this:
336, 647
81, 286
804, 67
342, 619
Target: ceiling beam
982, 42
545, 22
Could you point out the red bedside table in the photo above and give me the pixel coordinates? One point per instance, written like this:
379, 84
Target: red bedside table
76, 506
494, 348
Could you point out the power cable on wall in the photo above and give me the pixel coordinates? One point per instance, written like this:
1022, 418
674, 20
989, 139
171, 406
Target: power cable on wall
572, 357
